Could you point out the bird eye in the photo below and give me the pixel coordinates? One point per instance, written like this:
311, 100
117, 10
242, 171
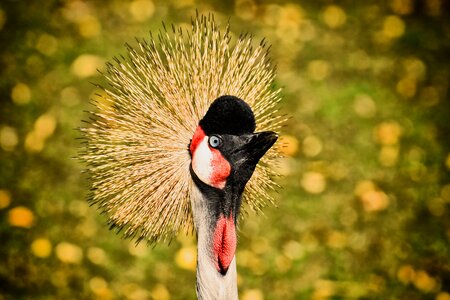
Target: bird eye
215, 141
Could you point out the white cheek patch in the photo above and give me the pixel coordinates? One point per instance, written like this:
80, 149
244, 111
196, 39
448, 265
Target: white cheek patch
202, 161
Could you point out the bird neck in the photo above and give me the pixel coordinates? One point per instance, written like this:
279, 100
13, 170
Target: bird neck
211, 284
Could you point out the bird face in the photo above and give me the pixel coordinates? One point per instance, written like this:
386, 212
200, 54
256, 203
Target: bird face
221, 158
208, 162
225, 151
224, 148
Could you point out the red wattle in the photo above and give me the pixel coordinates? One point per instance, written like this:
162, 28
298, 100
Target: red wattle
224, 243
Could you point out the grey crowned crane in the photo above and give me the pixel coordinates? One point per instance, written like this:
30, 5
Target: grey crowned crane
224, 152
183, 136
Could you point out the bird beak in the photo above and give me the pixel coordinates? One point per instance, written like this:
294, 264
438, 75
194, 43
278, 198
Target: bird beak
259, 144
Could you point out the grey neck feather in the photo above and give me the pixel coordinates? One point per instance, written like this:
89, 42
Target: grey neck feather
210, 283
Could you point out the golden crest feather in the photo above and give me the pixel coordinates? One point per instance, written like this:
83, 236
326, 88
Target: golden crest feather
136, 140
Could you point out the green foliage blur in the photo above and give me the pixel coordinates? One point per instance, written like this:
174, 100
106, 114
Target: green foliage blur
365, 204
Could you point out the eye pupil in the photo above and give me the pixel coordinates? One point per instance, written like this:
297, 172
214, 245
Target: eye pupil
215, 141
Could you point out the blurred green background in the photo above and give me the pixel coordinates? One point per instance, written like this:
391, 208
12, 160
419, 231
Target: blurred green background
365, 205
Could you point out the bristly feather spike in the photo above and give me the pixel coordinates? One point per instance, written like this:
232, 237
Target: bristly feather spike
136, 140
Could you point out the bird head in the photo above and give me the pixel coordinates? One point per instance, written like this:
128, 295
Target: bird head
225, 151
134, 141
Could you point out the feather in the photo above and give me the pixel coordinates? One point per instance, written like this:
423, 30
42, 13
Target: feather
136, 138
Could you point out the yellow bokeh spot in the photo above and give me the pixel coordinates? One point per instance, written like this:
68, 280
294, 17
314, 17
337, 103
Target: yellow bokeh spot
309, 241
293, 250
89, 26
308, 31
323, 289
414, 68
376, 283
21, 216
434, 7
240, 280
75, 11
33, 143
246, 9
407, 87
388, 156
360, 60
364, 106
47, 44
436, 206
34, 64
2, 19
424, 282
336, 239
41, 247
252, 294
142, 10
86, 65
45, 125
290, 16
283, 263
289, 145
96, 255
133, 291
393, 27
271, 14
97, 284
8, 138
186, 258
318, 70
417, 170
312, 146
288, 19
334, 16
447, 161
43, 128
445, 192
69, 253
138, 294
374, 201
21, 94
371, 197
99, 287
388, 133
443, 296
364, 186
5, 199
406, 274
313, 182
160, 292
402, 7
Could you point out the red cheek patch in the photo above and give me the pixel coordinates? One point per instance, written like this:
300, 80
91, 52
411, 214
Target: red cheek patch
224, 243
208, 163
221, 169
